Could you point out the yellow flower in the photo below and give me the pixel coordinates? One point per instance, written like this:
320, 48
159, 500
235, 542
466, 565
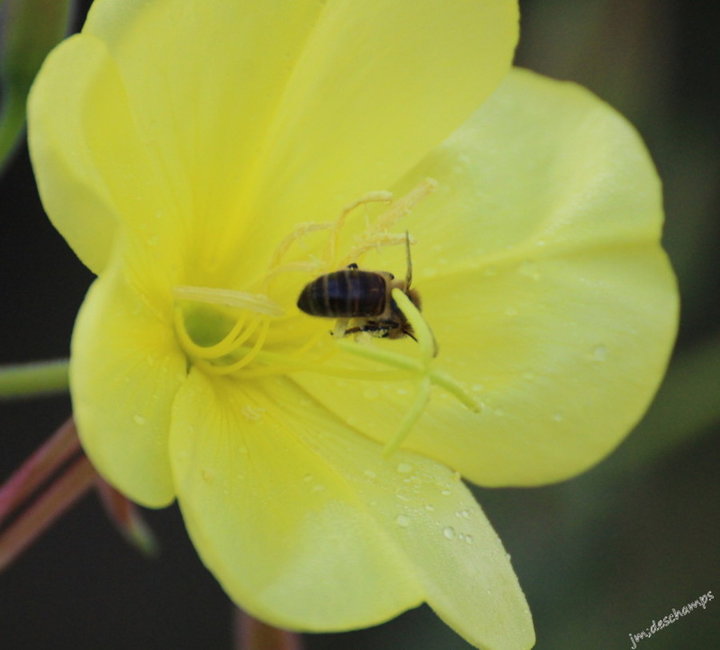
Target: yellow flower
198, 156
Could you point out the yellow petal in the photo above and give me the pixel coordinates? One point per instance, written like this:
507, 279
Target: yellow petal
96, 177
277, 525
124, 372
308, 526
271, 113
539, 265
72, 190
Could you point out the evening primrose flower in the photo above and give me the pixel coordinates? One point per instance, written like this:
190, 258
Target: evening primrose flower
208, 159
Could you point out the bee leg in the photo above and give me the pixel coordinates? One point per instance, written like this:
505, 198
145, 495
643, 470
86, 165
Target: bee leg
341, 328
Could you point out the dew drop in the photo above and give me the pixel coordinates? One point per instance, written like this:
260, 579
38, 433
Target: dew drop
446, 493
499, 412
529, 376
529, 269
429, 508
478, 388
139, 420
252, 414
469, 539
557, 417
401, 494
318, 488
463, 514
449, 532
307, 478
404, 468
371, 393
599, 353
402, 520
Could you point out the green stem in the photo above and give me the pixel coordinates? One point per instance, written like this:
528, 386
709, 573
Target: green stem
33, 379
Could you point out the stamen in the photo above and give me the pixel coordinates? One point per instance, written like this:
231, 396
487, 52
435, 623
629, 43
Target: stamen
372, 243
296, 234
219, 349
256, 302
421, 366
422, 397
251, 353
404, 205
378, 235
380, 196
423, 333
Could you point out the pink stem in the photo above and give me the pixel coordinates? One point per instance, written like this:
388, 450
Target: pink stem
251, 634
126, 517
37, 469
77, 479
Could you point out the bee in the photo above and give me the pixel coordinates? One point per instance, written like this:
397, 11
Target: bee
361, 301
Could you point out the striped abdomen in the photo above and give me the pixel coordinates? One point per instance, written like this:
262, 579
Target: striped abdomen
349, 293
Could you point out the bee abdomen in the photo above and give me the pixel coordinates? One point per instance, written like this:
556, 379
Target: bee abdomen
349, 293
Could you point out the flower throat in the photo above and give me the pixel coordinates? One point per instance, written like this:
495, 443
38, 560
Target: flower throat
227, 333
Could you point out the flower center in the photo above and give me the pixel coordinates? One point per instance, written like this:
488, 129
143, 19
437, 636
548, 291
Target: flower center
249, 335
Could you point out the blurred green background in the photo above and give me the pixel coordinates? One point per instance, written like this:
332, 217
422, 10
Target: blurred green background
599, 557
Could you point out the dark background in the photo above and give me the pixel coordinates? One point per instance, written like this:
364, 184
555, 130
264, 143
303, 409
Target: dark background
599, 557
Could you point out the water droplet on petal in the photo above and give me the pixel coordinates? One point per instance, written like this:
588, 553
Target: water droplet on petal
139, 420
402, 520
469, 539
429, 508
404, 468
558, 417
446, 493
401, 493
599, 353
318, 488
449, 532
529, 270
463, 514
307, 478
251, 413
